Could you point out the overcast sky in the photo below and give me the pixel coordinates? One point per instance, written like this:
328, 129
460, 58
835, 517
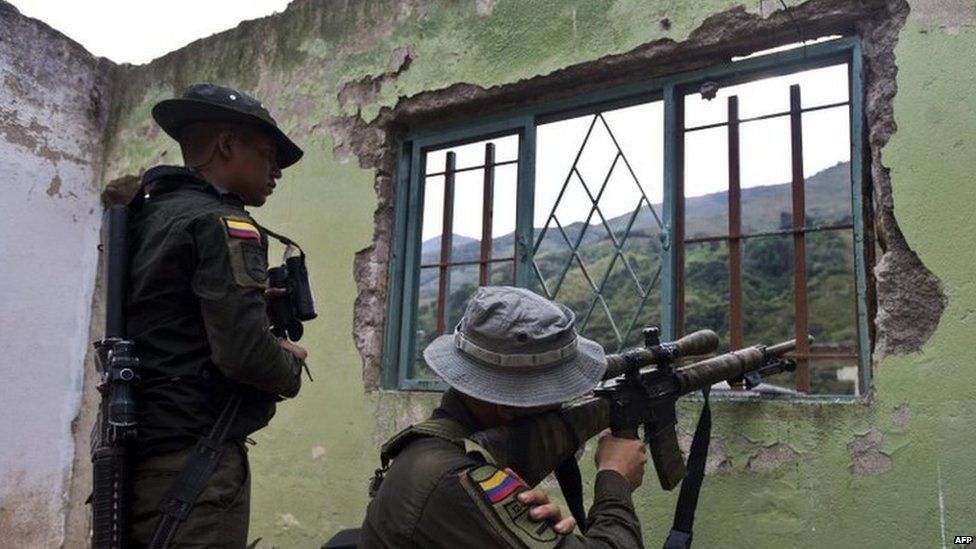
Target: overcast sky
765, 154
138, 31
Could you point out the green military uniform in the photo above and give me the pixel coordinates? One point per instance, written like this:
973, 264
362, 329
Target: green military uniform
437, 495
197, 312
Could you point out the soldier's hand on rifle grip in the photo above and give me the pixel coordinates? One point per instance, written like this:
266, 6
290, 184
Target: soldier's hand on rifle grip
624, 456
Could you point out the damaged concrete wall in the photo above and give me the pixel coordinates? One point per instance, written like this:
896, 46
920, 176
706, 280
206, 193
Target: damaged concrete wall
52, 113
344, 77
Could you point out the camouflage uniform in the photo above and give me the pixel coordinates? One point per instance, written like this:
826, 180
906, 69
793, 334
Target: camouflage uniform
197, 312
437, 495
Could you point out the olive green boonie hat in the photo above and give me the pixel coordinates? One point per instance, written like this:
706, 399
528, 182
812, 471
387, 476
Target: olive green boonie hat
213, 103
516, 348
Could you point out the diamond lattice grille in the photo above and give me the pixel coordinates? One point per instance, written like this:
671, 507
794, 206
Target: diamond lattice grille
605, 265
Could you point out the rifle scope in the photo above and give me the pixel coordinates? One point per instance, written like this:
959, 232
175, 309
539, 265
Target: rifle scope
701, 342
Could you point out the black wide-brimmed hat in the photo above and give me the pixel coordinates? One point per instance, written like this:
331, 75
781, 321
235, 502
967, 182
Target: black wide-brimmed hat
213, 103
516, 348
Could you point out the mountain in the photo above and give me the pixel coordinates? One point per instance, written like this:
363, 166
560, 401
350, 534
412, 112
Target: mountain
463, 246
767, 271
765, 208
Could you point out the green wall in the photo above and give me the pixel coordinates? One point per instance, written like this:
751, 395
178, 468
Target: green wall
807, 475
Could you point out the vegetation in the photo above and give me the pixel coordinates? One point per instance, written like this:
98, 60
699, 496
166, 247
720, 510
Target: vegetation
628, 280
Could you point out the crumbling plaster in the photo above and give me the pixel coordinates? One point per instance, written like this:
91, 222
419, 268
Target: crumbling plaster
909, 297
53, 106
814, 479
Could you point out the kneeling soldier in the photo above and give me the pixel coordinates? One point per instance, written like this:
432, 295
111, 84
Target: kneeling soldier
513, 354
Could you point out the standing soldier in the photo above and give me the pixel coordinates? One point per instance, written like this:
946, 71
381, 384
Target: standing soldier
196, 309
514, 354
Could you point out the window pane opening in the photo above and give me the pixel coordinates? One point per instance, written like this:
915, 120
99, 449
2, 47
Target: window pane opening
599, 188
768, 222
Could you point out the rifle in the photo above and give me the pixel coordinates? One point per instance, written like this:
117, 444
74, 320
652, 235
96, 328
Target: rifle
115, 427
640, 388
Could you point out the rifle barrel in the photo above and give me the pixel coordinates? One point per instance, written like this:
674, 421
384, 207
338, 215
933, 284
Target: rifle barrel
719, 368
730, 365
787, 346
116, 270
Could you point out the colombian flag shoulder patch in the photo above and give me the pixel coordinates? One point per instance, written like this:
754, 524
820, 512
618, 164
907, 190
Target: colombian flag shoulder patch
238, 228
496, 493
494, 483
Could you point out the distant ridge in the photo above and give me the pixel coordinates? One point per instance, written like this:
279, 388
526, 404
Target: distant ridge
763, 209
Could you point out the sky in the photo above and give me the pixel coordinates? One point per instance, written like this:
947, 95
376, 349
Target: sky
765, 154
138, 31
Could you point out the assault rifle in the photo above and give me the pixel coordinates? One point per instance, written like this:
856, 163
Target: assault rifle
115, 428
640, 389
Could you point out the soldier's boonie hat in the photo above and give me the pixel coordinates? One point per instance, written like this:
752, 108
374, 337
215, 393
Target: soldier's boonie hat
213, 103
516, 348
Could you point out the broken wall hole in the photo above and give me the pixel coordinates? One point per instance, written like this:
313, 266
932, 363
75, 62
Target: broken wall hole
897, 325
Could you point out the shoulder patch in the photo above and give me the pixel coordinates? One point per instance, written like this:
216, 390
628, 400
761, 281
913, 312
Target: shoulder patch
496, 485
241, 229
497, 492
248, 256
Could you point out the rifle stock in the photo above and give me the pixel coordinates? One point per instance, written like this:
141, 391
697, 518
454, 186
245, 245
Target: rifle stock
540, 443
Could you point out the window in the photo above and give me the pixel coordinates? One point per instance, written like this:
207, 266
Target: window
728, 198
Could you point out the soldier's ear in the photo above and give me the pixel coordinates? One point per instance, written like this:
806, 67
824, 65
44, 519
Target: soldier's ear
225, 144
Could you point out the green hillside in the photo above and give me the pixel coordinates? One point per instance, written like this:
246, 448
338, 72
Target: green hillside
767, 272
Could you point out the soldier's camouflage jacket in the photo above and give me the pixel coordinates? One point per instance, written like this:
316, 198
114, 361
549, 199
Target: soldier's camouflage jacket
435, 495
196, 310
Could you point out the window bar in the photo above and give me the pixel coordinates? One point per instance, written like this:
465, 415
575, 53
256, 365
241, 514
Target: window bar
466, 263
593, 209
822, 355
562, 190
678, 230
446, 242
760, 234
478, 167
799, 244
767, 116
735, 229
524, 267
861, 208
487, 212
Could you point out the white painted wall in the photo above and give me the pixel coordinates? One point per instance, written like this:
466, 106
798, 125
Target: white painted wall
51, 132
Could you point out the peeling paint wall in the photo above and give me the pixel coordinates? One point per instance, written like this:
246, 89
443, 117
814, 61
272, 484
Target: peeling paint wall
53, 106
345, 77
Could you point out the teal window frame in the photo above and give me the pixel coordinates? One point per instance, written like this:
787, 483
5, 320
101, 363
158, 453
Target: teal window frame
399, 342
